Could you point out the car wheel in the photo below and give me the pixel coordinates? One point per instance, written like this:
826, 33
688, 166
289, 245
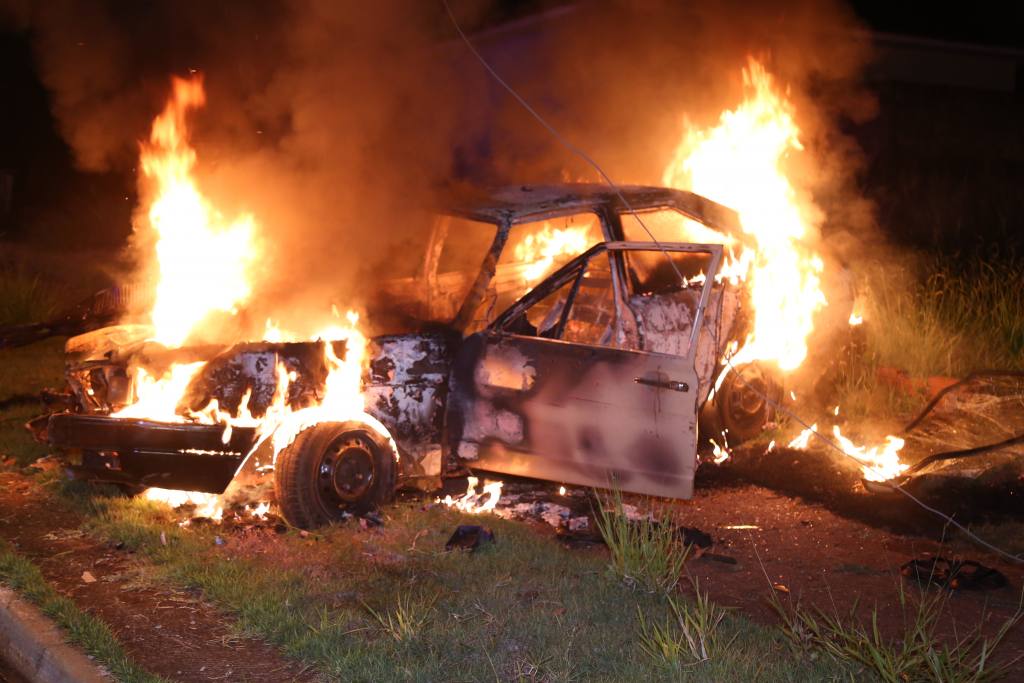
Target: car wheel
743, 407
331, 469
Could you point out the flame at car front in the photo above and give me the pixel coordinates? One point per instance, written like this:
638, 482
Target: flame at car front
202, 260
202, 266
473, 501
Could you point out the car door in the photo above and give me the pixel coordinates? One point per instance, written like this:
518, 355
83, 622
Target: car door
554, 388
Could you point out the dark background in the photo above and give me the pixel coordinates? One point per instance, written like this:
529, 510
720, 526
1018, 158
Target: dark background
944, 155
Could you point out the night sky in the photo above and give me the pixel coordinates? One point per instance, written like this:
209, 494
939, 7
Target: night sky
49, 191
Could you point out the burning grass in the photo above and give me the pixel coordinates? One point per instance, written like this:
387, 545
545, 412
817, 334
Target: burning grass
942, 318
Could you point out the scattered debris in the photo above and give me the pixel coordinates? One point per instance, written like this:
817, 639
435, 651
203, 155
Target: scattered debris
781, 588
469, 537
694, 537
954, 574
370, 519
217, 540
87, 577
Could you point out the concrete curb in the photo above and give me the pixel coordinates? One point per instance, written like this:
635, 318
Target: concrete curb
35, 647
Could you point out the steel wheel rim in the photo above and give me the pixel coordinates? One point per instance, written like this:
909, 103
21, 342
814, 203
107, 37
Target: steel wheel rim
347, 470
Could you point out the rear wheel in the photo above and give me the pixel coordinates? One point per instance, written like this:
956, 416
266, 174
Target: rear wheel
743, 405
331, 469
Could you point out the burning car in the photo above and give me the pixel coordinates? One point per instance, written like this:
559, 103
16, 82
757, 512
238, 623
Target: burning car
555, 332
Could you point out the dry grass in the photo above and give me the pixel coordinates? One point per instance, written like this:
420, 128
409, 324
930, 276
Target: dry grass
919, 654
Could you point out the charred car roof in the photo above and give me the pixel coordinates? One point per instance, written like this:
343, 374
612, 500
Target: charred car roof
525, 203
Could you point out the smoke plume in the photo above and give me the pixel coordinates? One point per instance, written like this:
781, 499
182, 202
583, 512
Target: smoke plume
336, 123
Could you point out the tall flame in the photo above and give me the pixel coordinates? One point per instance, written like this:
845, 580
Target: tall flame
202, 259
540, 249
738, 163
204, 265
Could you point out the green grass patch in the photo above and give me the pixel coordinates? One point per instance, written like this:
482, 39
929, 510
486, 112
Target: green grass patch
919, 655
947, 317
80, 628
390, 604
27, 370
644, 553
26, 297
689, 637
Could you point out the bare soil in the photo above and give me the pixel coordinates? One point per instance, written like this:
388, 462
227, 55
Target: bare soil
168, 631
823, 554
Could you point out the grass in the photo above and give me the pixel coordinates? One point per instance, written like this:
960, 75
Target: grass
644, 553
24, 371
26, 297
919, 655
690, 636
946, 317
80, 628
407, 619
933, 317
390, 604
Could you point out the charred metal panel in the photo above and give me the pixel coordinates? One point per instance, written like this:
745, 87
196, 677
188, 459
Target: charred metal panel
665, 322
184, 456
252, 369
406, 389
527, 203
577, 414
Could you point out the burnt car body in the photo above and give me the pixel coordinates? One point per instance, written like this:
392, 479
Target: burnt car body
594, 375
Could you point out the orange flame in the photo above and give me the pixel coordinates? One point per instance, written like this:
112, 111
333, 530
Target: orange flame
473, 501
540, 249
202, 259
739, 164
878, 463
203, 267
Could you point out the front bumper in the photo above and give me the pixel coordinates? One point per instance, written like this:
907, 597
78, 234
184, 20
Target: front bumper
184, 456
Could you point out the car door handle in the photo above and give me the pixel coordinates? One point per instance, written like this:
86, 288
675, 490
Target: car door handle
663, 383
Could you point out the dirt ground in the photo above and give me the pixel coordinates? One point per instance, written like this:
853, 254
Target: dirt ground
167, 631
763, 542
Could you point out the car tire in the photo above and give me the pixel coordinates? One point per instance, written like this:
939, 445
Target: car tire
742, 408
333, 469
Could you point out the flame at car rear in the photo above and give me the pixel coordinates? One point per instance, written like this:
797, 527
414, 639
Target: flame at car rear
739, 163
